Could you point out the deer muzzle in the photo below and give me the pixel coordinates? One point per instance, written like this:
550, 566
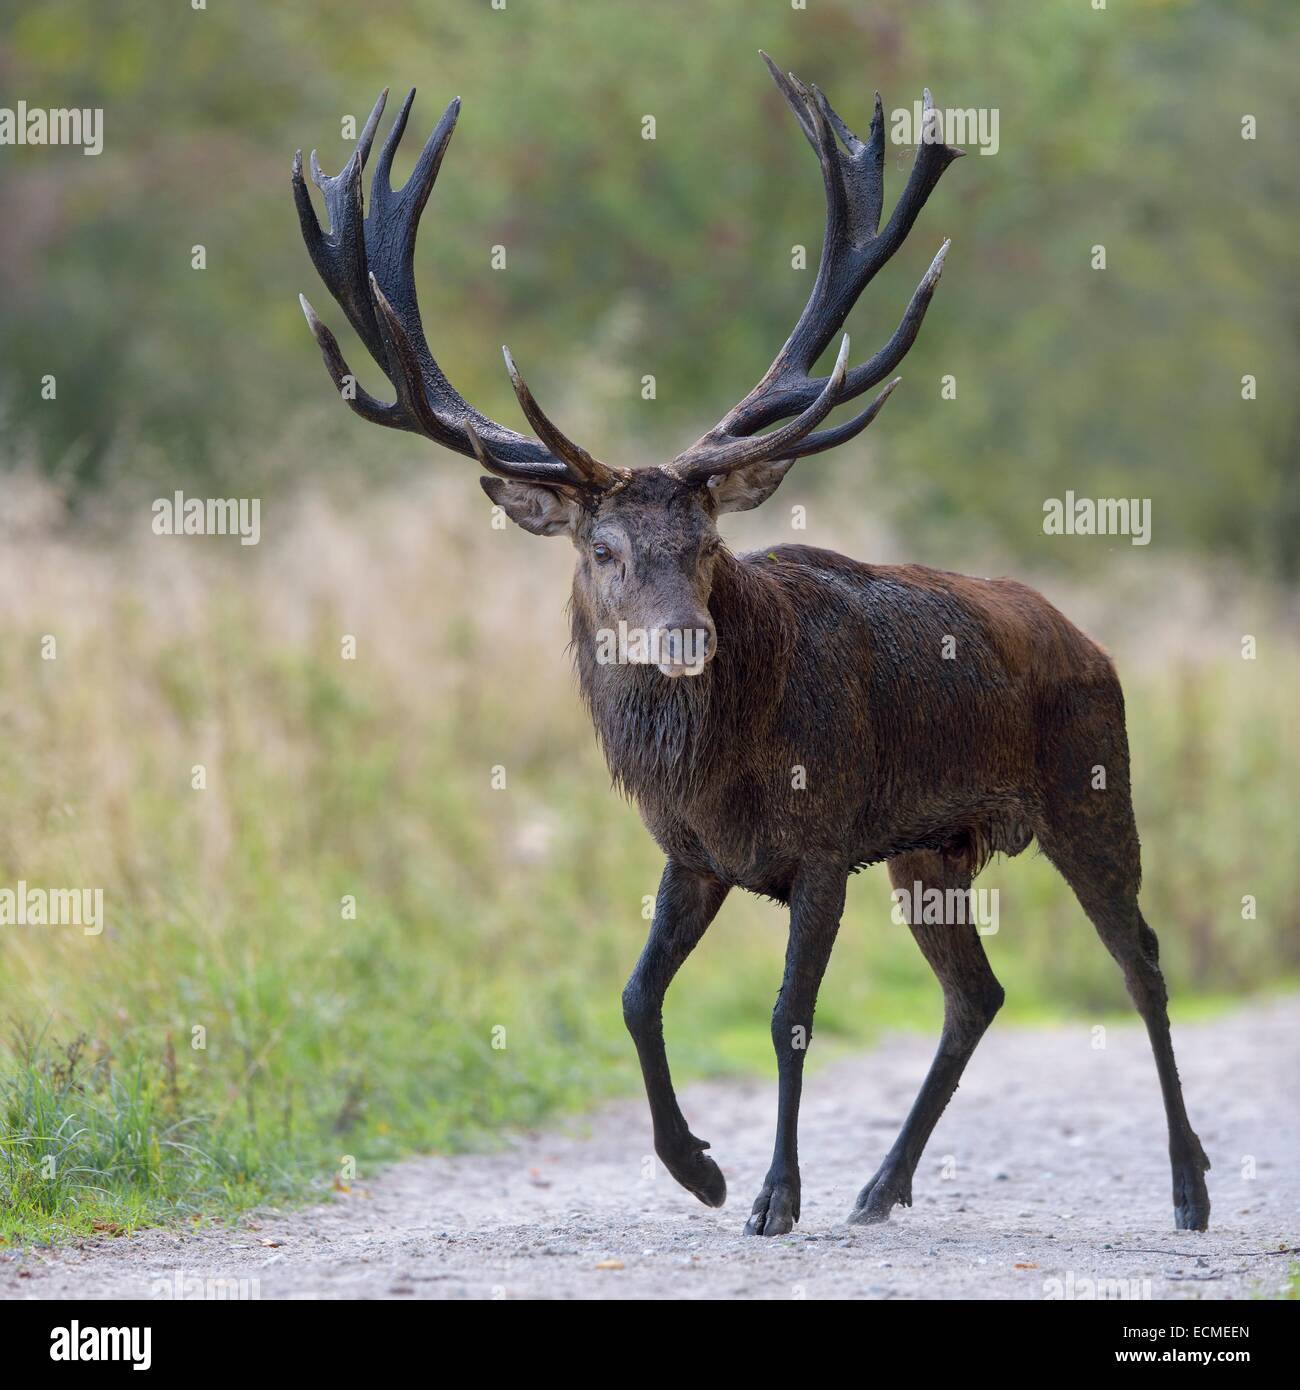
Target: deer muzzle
684, 646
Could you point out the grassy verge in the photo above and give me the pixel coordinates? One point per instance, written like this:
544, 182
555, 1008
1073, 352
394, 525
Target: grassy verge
398, 912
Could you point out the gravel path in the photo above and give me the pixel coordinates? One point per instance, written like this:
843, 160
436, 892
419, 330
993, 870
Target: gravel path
1057, 1172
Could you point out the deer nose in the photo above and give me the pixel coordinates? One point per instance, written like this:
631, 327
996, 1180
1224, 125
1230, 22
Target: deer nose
686, 644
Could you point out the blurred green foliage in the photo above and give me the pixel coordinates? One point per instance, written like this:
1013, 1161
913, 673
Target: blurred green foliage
1120, 127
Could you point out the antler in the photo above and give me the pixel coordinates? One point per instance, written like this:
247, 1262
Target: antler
367, 264
853, 250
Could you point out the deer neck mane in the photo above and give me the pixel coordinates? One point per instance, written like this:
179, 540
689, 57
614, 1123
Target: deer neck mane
665, 739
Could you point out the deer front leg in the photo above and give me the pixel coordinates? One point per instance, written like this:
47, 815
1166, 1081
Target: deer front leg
686, 904
816, 904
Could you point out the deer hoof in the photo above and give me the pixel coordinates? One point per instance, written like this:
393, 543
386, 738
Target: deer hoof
1191, 1201
880, 1196
709, 1184
776, 1209
699, 1175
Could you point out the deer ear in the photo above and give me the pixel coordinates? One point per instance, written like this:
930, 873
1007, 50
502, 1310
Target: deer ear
541, 510
746, 487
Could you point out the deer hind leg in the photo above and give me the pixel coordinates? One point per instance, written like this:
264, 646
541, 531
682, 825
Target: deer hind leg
971, 997
1098, 857
687, 902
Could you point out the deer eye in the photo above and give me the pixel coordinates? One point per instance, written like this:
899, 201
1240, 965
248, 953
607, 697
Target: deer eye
602, 553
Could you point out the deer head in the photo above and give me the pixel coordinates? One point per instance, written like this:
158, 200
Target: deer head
647, 539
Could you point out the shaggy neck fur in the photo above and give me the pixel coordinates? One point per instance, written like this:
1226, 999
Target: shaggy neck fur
663, 739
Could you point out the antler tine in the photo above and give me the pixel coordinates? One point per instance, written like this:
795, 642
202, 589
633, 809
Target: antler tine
356, 396
384, 164
598, 474
854, 249
841, 434
367, 263
340, 257
700, 465
519, 473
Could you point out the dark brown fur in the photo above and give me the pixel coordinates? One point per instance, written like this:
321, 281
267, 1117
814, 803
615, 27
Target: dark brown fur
838, 667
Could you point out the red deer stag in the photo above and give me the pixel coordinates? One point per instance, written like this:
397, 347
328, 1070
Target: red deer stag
795, 715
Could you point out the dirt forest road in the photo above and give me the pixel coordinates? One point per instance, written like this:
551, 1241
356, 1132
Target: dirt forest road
1054, 1152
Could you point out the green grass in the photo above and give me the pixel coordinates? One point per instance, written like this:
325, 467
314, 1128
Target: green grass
235, 1037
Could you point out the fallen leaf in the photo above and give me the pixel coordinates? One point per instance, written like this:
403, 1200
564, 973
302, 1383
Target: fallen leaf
1026, 1266
274, 1244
